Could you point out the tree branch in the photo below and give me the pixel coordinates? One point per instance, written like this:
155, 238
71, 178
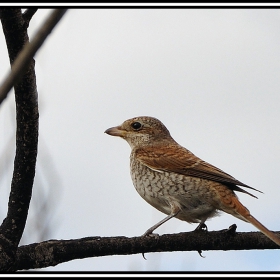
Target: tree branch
53, 252
27, 15
8, 19
15, 32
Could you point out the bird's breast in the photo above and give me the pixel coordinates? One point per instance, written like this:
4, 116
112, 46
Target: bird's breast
162, 189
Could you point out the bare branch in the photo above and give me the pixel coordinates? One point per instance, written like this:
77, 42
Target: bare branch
25, 57
27, 15
27, 115
53, 252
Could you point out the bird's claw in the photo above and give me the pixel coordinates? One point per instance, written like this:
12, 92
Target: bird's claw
200, 253
143, 255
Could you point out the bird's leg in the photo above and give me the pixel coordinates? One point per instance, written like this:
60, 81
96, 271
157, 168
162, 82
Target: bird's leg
174, 212
150, 230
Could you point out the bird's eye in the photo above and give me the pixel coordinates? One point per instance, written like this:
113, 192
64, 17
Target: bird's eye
136, 125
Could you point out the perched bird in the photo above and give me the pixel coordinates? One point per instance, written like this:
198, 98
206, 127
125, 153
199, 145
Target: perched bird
175, 181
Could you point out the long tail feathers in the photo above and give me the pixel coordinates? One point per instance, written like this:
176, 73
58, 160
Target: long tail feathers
271, 235
245, 215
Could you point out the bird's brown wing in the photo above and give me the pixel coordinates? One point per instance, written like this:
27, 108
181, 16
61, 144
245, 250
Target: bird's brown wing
174, 158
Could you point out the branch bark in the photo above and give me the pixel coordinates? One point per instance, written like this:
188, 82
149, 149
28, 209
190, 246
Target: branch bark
53, 252
27, 15
26, 141
15, 31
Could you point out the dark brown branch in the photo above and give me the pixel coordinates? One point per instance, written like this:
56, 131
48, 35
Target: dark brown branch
53, 252
26, 140
22, 62
25, 57
27, 15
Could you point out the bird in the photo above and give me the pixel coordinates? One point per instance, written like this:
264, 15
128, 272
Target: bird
176, 182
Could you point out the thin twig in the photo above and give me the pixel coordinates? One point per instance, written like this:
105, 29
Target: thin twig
24, 58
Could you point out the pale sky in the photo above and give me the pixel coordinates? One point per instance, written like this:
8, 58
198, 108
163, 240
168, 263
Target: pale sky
210, 75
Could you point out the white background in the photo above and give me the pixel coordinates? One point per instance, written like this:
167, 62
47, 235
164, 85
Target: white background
210, 75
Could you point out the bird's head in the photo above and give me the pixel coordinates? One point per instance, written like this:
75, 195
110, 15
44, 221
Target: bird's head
141, 131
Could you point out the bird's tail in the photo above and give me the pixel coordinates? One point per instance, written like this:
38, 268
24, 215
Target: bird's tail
245, 215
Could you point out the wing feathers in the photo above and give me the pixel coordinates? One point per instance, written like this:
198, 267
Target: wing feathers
175, 158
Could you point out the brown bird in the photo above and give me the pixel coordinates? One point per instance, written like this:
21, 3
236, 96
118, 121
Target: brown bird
175, 181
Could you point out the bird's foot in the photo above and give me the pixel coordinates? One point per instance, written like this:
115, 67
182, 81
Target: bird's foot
201, 227
149, 233
231, 229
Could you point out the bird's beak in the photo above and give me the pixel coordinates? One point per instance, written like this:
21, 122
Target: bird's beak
116, 131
